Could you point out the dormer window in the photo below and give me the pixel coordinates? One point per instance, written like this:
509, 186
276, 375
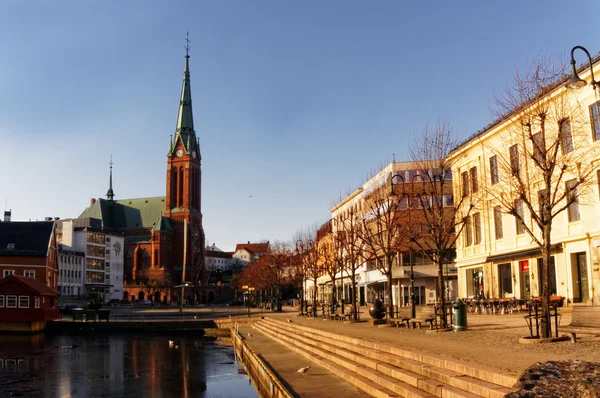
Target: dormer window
10, 246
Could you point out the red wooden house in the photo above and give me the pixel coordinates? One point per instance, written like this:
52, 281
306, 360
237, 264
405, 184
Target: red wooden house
26, 304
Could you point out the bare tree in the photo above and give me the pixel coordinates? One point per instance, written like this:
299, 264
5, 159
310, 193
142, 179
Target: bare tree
346, 237
550, 164
385, 232
435, 212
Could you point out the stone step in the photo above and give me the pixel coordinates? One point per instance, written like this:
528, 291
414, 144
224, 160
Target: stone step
398, 381
362, 383
428, 374
485, 373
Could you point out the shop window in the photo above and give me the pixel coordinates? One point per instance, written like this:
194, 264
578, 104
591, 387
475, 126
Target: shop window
506, 280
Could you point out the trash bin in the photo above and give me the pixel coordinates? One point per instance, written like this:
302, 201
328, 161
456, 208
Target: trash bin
460, 316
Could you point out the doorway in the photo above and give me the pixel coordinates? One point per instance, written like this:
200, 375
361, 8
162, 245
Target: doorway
581, 292
525, 280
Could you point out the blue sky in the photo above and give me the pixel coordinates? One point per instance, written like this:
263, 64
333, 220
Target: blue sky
294, 101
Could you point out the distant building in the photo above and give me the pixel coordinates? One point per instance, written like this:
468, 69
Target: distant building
28, 248
217, 259
249, 252
91, 260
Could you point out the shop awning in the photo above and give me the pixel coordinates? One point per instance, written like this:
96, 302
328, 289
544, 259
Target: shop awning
522, 254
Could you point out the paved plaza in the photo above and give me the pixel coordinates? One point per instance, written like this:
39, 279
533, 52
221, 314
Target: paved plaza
490, 341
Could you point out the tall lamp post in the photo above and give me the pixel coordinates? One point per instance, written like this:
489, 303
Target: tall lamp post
575, 82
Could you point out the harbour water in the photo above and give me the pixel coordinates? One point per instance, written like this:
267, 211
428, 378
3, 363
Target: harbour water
120, 366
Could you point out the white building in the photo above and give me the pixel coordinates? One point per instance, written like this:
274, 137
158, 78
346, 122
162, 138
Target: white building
100, 273
370, 281
216, 259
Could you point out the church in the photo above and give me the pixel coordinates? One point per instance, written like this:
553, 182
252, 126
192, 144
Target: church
162, 233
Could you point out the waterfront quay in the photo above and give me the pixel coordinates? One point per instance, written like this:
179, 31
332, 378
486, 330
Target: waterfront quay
490, 344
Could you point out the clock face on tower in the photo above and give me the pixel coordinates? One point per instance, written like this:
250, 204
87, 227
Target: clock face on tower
194, 154
179, 153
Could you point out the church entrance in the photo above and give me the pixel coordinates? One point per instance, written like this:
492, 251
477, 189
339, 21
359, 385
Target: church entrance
156, 297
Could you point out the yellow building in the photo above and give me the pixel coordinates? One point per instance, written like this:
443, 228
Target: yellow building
521, 171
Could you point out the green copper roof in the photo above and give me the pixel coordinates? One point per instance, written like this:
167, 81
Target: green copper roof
138, 239
127, 213
184, 129
163, 225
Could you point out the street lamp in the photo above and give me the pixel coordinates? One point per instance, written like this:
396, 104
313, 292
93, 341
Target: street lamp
575, 82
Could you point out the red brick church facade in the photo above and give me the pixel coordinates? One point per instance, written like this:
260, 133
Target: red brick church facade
153, 228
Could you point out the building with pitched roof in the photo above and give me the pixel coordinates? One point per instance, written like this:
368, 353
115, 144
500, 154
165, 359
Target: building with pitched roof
249, 252
156, 246
28, 248
26, 304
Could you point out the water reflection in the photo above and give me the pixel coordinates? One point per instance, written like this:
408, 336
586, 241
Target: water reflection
119, 366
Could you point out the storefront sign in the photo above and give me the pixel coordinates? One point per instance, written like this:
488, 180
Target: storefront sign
524, 265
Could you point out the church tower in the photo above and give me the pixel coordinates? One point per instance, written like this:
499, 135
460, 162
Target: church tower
183, 190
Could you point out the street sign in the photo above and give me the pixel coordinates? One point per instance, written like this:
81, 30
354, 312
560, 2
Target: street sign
245, 287
251, 289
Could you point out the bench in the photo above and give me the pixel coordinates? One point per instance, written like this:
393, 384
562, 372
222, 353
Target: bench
424, 315
585, 320
404, 315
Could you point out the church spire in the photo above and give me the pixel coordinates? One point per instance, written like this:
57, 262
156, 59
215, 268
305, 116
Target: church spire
185, 119
110, 193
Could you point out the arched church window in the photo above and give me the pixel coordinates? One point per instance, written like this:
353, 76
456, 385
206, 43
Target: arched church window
181, 182
129, 260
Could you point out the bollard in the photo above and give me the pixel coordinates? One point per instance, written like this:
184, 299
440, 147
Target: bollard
460, 316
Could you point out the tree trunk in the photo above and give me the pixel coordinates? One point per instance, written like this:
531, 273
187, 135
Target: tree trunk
353, 295
546, 324
441, 292
390, 311
314, 309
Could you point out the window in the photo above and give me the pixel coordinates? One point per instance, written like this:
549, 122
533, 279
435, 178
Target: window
595, 116
29, 274
566, 138
573, 199
11, 301
1, 301
498, 222
494, 176
514, 159
36, 302
520, 216
539, 148
7, 272
465, 183
474, 185
477, 228
468, 232
23, 301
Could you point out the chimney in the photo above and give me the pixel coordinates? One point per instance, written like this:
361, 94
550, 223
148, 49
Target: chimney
56, 218
7, 214
92, 201
47, 218
248, 242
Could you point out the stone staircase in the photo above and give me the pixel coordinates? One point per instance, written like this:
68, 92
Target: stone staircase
383, 370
